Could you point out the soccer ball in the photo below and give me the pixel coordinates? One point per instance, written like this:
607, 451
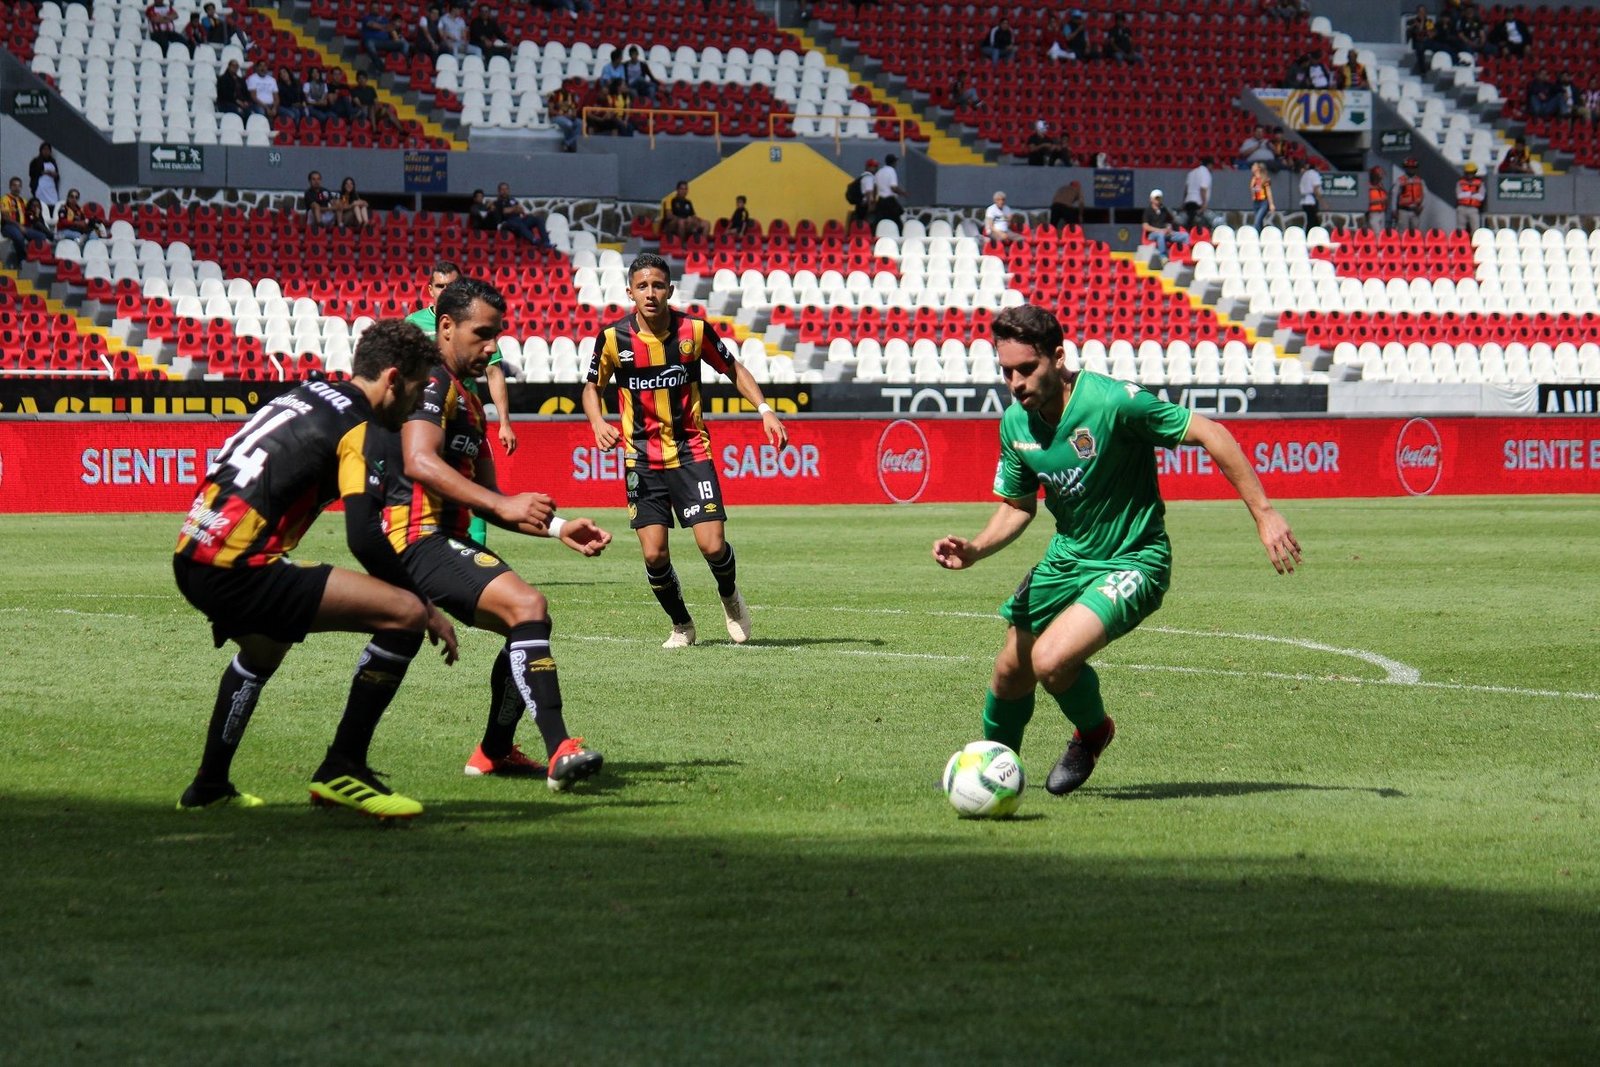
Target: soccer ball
984, 780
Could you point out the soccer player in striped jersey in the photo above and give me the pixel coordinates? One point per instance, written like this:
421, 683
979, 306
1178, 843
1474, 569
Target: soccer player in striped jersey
1089, 442
298, 454
443, 273
654, 355
438, 473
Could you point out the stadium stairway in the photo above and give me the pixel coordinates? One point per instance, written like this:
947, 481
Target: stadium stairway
404, 108
942, 147
89, 341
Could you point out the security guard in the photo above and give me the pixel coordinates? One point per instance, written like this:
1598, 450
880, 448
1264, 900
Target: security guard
1377, 201
1409, 196
1470, 195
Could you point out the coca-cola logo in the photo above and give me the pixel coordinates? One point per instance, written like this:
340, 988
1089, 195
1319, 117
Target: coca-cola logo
904, 464
1419, 457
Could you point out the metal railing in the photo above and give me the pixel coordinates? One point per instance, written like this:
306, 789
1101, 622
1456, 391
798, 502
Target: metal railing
649, 113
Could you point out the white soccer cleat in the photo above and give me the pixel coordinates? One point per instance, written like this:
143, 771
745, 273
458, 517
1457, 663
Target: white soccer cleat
681, 636
737, 614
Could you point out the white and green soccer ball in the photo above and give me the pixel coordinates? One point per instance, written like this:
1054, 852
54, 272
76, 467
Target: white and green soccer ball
984, 780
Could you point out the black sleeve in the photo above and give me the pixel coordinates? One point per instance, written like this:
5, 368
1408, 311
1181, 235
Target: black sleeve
372, 550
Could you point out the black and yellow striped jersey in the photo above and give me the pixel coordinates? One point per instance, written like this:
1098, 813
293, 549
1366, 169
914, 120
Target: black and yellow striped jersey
411, 510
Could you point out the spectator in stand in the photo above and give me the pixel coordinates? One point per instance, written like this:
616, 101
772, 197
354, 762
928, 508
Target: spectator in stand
1310, 188
37, 223
163, 24
1067, 205
562, 107
866, 193
1261, 194
1567, 99
216, 26
1317, 73
453, 33
739, 222
1352, 75
1298, 76
1377, 201
352, 211
484, 31
14, 223
962, 94
318, 202
425, 39
1410, 196
44, 177
194, 32
75, 219
1119, 41
480, 213
1160, 227
680, 219
1257, 148
291, 101
638, 76
609, 112
379, 38
886, 204
319, 101
999, 44
232, 92
1543, 96
1470, 196
371, 110
611, 70
1284, 151
1072, 39
1589, 103
1197, 194
1516, 159
515, 219
1045, 148
1420, 33
997, 221
1511, 35
263, 89
1470, 33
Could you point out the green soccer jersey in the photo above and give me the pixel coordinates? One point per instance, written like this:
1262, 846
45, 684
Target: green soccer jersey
1098, 469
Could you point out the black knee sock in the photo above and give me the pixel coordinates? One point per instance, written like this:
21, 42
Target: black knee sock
505, 708
533, 673
664, 584
379, 672
236, 700
722, 569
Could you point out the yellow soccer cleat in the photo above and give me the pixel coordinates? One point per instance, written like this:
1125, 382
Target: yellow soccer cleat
340, 783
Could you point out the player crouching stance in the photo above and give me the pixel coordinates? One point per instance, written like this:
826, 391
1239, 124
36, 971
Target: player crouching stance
1090, 442
654, 355
270, 481
440, 472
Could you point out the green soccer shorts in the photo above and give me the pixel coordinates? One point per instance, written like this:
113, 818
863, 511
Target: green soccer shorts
1120, 599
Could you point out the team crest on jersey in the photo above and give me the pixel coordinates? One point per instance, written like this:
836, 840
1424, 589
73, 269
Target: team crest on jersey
484, 559
685, 347
1083, 443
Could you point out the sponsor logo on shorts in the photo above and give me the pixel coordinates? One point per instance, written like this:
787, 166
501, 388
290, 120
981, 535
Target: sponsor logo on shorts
633, 511
904, 465
484, 559
691, 511
1419, 457
1083, 443
711, 509
633, 480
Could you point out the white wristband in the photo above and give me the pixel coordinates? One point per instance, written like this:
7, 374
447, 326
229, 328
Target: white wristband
764, 408
556, 522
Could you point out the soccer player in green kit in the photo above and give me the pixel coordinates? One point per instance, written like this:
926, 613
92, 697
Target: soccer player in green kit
1090, 441
427, 320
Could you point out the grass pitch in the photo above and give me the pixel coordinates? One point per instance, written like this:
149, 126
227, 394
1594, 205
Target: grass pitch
1350, 815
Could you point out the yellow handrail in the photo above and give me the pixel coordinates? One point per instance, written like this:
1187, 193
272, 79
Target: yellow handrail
650, 114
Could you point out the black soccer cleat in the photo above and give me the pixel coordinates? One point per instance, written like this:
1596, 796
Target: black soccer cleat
1077, 762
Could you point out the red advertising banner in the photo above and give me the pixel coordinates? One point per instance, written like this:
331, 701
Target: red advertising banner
155, 465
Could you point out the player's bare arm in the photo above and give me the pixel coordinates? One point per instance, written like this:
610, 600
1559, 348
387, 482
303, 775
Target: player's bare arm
605, 434
583, 536
1276, 537
750, 389
502, 406
1004, 527
421, 442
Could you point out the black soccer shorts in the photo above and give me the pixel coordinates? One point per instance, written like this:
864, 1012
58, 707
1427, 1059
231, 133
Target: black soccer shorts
684, 495
278, 601
452, 572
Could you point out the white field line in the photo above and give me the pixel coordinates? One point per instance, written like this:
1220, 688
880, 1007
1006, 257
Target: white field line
68, 611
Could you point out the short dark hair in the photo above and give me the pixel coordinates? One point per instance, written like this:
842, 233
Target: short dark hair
393, 343
648, 261
455, 300
445, 266
1031, 325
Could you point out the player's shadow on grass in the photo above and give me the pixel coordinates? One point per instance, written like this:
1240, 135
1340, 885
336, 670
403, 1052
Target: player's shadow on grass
1207, 790
619, 774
